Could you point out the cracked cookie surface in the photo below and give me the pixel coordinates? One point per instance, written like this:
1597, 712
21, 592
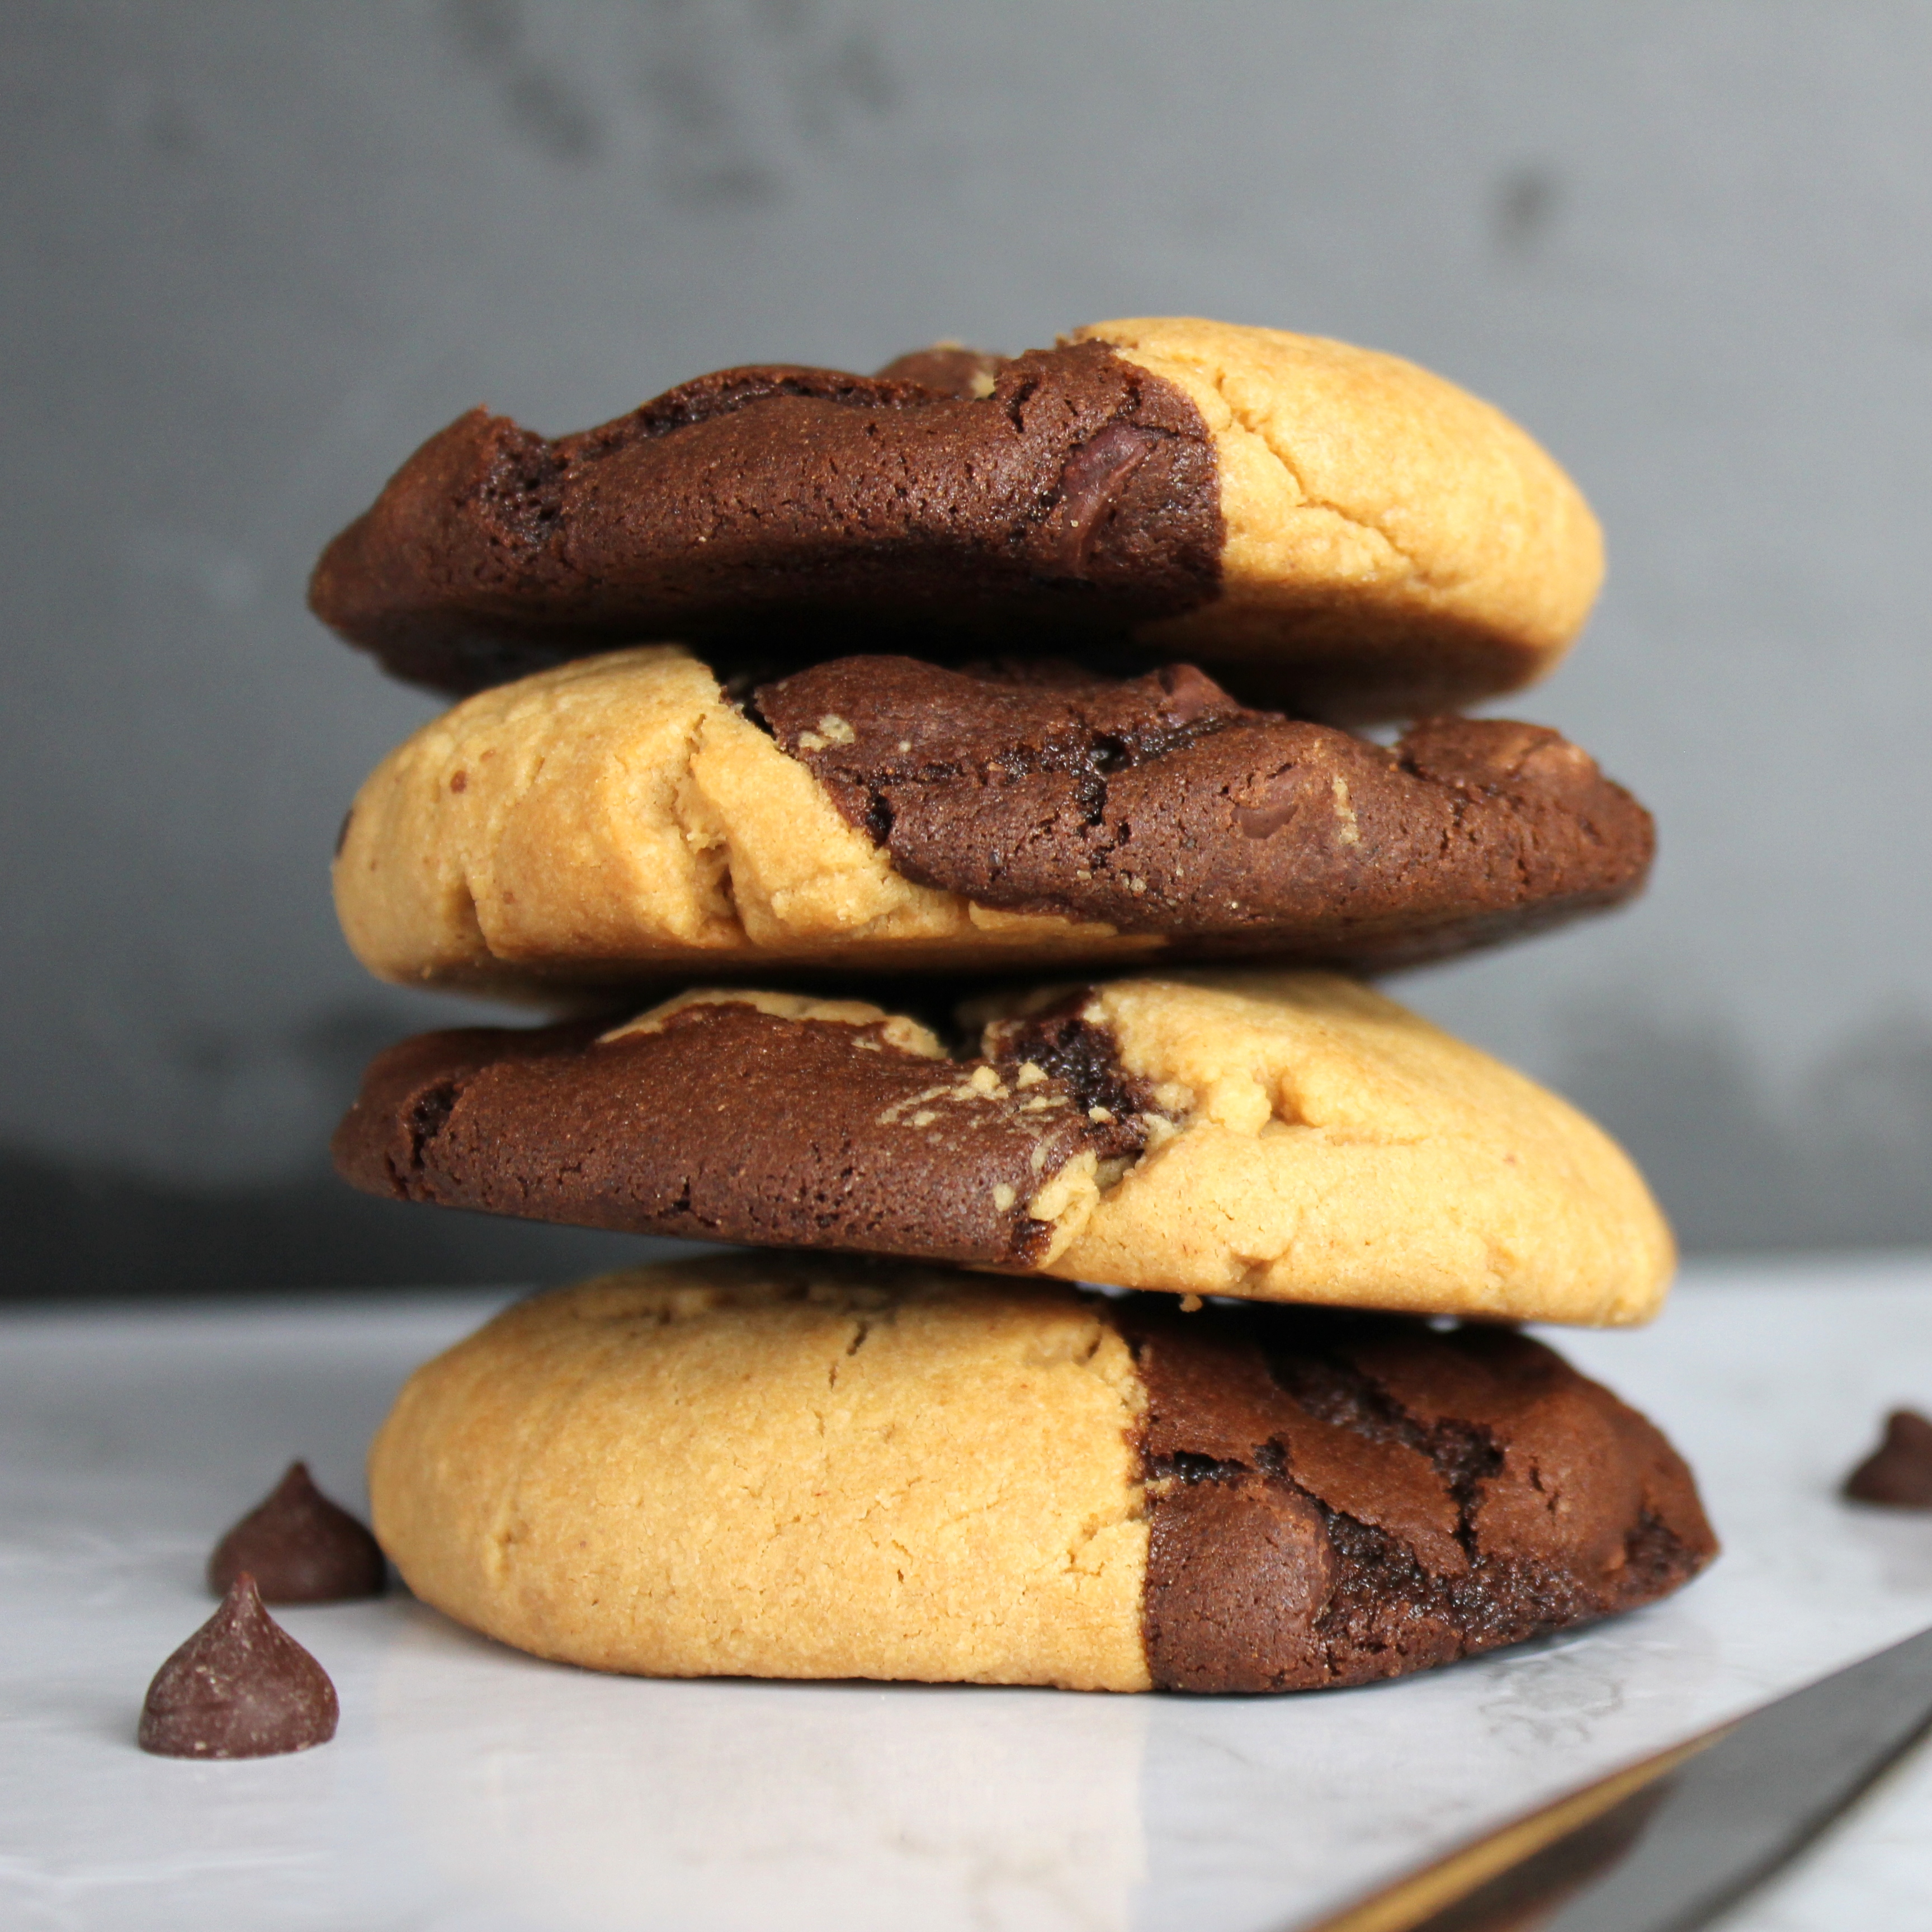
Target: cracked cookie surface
1393, 543
1322, 525
1284, 1137
620, 821
1158, 804
779, 1466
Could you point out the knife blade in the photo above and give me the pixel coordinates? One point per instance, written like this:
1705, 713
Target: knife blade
1667, 1844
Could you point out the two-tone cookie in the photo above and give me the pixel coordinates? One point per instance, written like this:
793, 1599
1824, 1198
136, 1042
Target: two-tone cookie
1278, 1136
1318, 523
623, 820
779, 1467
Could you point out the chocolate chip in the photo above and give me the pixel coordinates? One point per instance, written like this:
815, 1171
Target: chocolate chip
1091, 484
1084, 1059
1190, 694
1281, 797
300, 1547
241, 1687
1899, 1471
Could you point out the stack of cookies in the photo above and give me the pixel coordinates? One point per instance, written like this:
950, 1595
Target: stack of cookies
928, 800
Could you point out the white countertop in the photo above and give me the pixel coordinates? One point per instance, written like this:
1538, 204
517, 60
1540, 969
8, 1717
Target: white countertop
472, 1790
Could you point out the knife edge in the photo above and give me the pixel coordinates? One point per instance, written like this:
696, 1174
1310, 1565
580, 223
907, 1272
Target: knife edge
1411, 1901
1702, 1823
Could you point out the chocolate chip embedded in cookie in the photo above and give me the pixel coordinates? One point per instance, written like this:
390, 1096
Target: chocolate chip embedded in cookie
780, 1467
619, 821
950, 367
1335, 527
1276, 1136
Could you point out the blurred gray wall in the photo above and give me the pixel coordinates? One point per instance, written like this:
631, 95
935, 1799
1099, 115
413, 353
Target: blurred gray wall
253, 254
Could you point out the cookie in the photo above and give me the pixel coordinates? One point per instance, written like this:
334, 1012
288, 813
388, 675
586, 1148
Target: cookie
1338, 529
781, 1467
618, 821
1276, 1136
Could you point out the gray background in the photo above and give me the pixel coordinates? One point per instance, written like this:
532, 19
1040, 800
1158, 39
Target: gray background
253, 254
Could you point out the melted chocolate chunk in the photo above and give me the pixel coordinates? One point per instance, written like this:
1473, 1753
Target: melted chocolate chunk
241, 1687
1075, 492
726, 1123
1334, 1498
1082, 1058
1160, 805
300, 1548
1899, 1471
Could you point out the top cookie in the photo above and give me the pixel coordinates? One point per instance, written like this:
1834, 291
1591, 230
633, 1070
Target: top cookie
1325, 527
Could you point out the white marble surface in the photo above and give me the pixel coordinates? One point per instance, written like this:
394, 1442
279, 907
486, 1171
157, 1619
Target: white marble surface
473, 1790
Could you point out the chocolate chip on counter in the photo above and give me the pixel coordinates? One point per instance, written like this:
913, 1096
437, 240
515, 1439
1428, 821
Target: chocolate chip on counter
300, 1547
241, 1687
1899, 1471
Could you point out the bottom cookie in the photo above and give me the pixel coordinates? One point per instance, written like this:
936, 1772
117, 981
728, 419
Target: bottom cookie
777, 1466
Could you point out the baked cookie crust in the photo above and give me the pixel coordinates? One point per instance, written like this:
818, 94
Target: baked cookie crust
621, 820
1394, 545
1338, 528
1280, 1137
781, 1467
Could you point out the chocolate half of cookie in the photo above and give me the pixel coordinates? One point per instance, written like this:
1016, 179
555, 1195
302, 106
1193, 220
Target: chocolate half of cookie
1337, 528
1158, 804
1289, 1137
779, 1468
766, 1118
1078, 493
1333, 1499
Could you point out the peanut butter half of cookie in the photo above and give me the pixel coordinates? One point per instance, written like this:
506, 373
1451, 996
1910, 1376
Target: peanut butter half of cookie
1325, 525
784, 1466
1272, 1136
626, 820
